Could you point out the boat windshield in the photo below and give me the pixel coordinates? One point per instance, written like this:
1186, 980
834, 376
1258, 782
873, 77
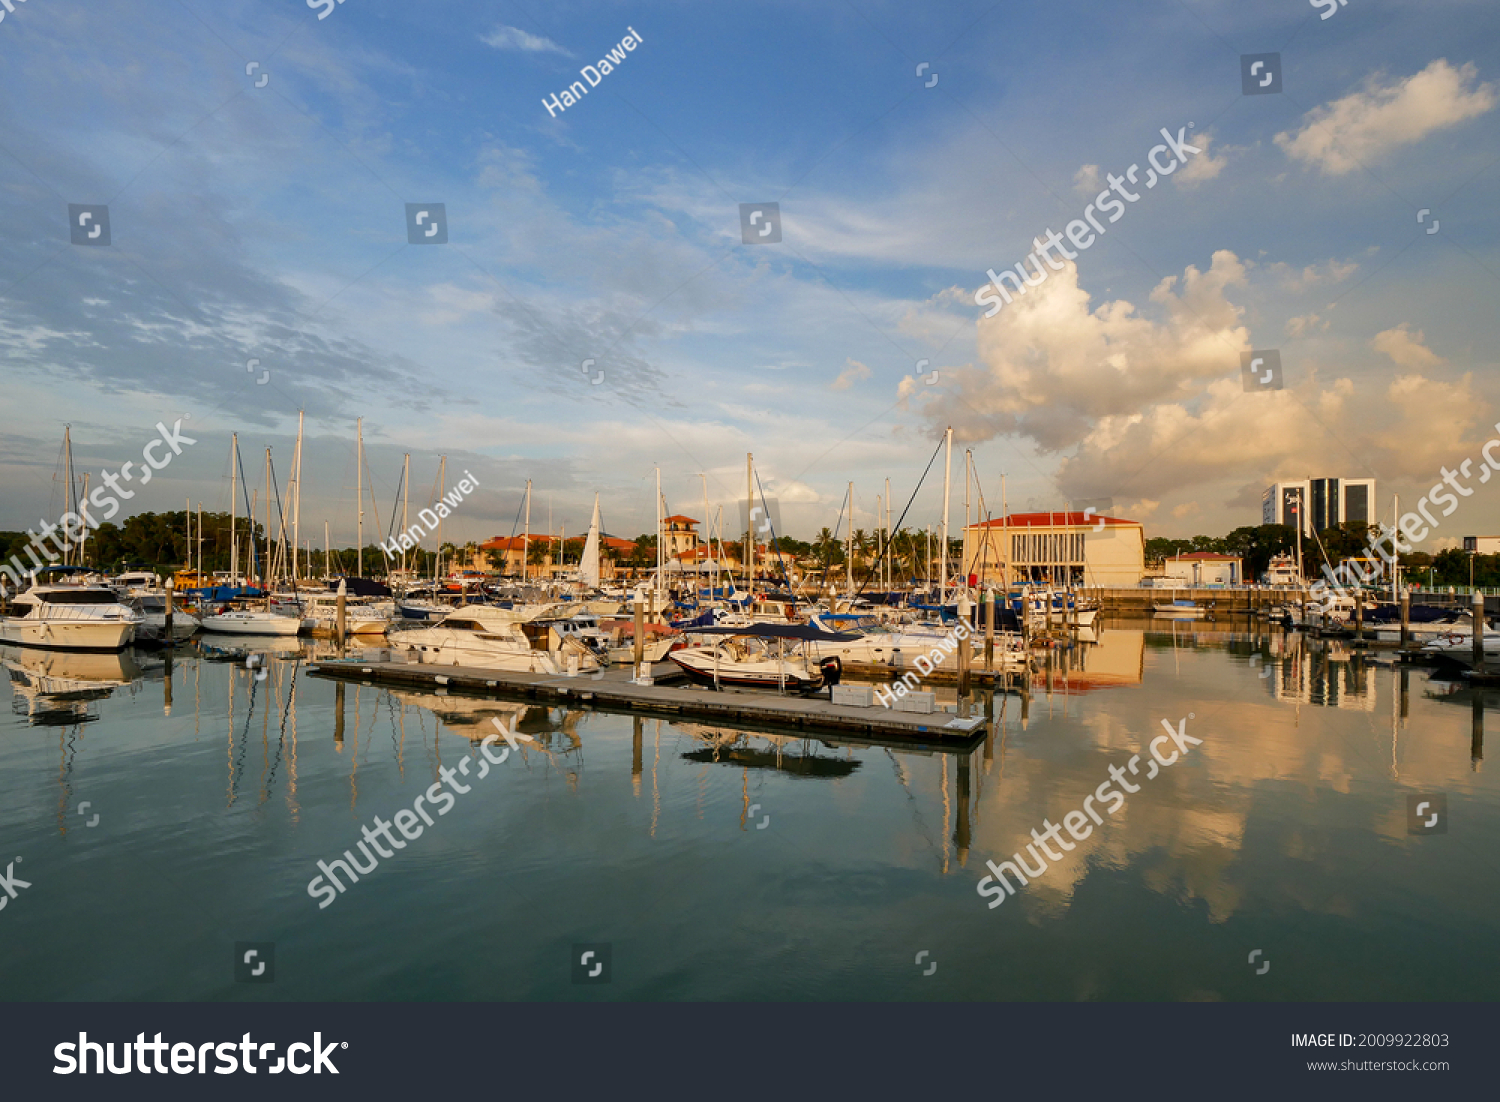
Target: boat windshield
79, 597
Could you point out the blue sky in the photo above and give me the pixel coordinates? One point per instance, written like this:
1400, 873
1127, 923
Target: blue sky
268, 223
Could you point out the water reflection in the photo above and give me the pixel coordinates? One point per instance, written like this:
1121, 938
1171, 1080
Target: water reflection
63, 688
251, 772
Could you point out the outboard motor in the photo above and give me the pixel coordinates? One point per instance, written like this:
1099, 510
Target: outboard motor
833, 670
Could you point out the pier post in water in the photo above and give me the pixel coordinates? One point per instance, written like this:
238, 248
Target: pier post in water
169, 612
1478, 613
1359, 614
339, 615
1405, 618
989, 629
965, 652
640, 634
1476, 737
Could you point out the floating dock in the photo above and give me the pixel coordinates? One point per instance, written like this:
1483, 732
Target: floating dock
613, 690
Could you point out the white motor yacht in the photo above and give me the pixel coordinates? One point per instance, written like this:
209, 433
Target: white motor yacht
499, 638
70, 617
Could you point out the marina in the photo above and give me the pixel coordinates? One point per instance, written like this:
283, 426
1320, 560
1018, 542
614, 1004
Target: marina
727, 858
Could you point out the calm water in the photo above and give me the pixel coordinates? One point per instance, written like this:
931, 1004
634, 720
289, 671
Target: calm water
1286, 831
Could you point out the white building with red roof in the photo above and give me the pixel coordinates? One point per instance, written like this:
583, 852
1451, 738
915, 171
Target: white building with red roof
1061, 548
1204, 568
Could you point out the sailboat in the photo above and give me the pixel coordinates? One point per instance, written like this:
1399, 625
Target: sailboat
588, 566
245, 621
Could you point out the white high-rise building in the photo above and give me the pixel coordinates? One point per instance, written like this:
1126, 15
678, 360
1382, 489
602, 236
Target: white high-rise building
1312, 505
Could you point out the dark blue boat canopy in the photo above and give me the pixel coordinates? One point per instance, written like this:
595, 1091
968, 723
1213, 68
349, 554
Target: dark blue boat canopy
783, 631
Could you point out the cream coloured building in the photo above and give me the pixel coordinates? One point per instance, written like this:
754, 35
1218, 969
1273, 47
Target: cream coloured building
1065, 549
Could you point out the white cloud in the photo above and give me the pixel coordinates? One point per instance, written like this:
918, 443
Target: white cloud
1204, 166
1329, 271
1363, 126
1086, 181
513, 38
1305, 323
1051, 367
853, 372
1408, 349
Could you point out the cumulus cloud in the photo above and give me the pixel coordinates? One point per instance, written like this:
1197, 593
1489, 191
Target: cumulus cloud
1329, 271
853, 372
1204, 166
1051, 366
1408, 349
1086, 181
1306, 323
513, 38
1363, 126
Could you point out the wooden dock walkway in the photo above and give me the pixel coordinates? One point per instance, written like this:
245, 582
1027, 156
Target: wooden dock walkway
613, 690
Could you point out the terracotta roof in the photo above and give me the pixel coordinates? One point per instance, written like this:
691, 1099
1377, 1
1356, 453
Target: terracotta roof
668, 520
509, 543
1050, 520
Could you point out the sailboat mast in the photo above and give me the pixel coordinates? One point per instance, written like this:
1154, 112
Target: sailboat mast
234, 543
200, 542
526, 537
405, 501
943, 549
359, 474
658, 538
709, 528
83, 529
887, 530
749, 523
270, 571
442, 489
187, 516
296, 495
849, 545
67, 486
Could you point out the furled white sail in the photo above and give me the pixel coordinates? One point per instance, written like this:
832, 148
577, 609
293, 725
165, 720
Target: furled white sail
588, 568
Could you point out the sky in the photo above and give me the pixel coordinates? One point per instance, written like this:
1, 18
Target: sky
595, 313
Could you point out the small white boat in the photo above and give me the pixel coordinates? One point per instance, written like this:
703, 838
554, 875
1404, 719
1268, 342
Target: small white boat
362, 615
153, 627
1179, 610
761, 656
253, 622
749, 663
70, 617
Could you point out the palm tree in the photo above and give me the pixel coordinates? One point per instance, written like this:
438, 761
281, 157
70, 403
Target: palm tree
861, 547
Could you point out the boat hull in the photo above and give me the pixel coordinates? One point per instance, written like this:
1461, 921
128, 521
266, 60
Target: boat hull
700, 670
54, 634
230, 624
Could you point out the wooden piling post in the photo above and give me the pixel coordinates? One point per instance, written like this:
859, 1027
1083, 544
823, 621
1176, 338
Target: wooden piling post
1405, 618
1477, 609
989, 629
640, 634
1359, 614
169, 611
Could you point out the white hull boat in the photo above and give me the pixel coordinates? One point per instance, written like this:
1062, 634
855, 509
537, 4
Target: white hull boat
69, 617
498, 638
245, 622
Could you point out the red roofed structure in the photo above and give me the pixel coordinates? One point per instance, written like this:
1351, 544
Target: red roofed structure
1063, 548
